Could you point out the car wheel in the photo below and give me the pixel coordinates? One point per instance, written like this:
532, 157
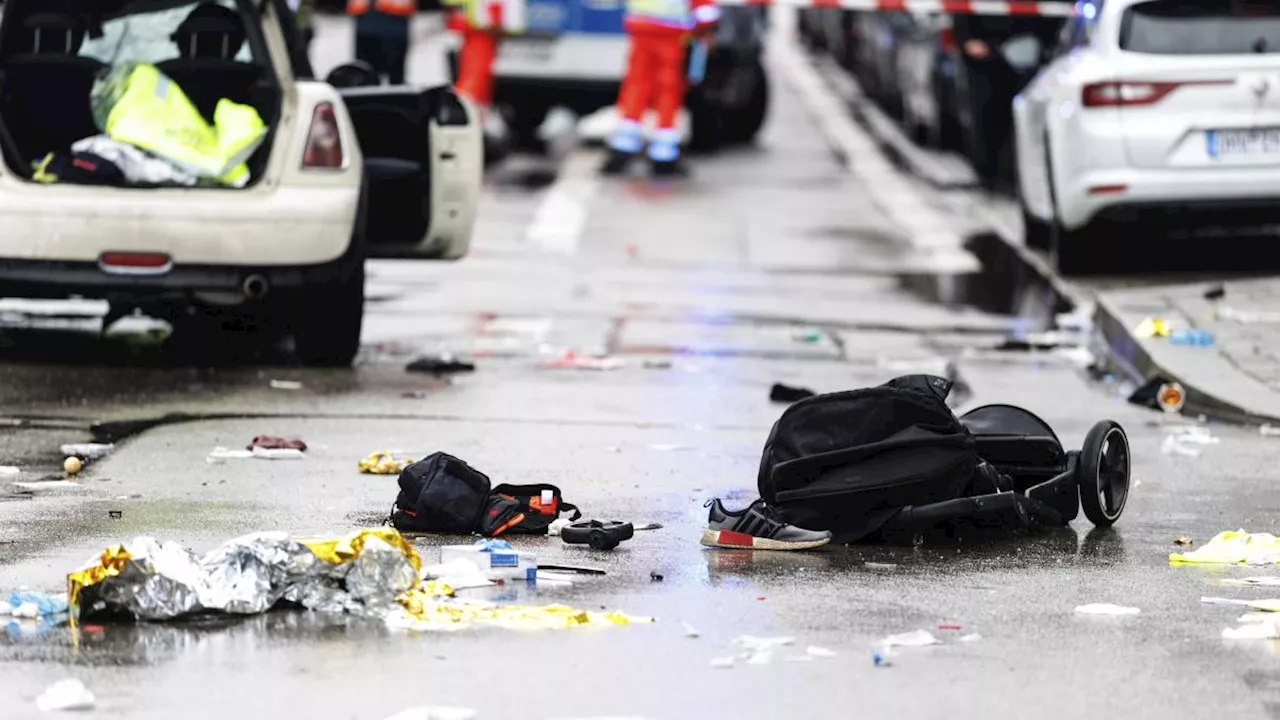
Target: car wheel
708, 131
326, 322
744, 125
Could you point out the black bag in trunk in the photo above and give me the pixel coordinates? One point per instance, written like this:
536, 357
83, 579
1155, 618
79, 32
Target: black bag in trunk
848, 461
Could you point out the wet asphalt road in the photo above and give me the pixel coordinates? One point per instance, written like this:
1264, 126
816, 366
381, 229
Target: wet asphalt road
722, 277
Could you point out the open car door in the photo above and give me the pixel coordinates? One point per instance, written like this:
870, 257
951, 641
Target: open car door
423, 165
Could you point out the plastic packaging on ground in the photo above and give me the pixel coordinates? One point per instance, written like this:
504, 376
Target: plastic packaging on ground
69, 694
30, 603
1233, 547
915, 638
383, 462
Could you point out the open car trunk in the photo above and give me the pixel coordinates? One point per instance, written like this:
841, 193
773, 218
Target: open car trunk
53, 51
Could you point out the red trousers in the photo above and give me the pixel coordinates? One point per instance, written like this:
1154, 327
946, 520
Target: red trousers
655, 78
475, 65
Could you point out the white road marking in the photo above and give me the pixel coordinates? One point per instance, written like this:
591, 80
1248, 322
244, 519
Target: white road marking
562, 215
926, 229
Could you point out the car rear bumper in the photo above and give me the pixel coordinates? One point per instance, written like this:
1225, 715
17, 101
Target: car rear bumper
256, 227
1210, 196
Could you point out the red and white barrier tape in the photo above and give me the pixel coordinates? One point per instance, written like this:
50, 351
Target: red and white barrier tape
1019, 8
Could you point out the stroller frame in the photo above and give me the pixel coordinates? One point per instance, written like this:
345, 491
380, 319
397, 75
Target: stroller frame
1036, 482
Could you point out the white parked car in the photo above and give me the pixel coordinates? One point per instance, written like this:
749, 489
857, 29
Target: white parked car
344, 173
1151, 114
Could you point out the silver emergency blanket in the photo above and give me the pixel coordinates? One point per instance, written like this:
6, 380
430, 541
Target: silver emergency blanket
137, 165
361, 573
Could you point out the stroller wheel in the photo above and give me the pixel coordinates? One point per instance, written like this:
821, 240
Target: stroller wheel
1103, 473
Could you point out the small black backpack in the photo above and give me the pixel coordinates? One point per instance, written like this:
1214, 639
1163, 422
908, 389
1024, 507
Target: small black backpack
848, 461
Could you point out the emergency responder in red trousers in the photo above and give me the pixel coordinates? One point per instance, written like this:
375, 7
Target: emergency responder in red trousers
660, 32
382, 34
481, 24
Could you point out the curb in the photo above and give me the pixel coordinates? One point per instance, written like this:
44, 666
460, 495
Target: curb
1139, 359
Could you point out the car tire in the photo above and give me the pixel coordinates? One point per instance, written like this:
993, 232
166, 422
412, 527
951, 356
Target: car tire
744, 125
708, 126
326, 322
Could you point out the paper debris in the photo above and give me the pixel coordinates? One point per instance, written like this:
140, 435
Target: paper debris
88, 451
69, 694
1271, 605
820, 652
1106, 609
557, 525
722, 663
690, 631
971, 637
1261, 581
915, 638
278, 453
48, 485
670, 447
1252, 631
286, 385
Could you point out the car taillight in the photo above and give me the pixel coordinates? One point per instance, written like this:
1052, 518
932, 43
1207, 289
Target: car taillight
324, 140
1126, 94
947, 39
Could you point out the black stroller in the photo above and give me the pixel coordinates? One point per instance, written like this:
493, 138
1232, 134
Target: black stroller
878, 462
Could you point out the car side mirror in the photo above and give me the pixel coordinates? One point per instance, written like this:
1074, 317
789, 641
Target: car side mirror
354, 74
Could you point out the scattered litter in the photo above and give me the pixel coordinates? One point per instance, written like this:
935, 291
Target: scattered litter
383, 462
278, 453
41, 603
915, 638
656, 577
1233, 547
576, 570
1172, 446
1261, 581
722, 663
1268, 431
670, 447
879, 660
5, 609
271, 442
115, 514
971, 637
47, 485
649, 526
554, 577
459, 574
435, 712
657, 365
574, 361
1268, 605
807, 335
9, 470
72, 465
880, 566
690, 631
948, 626
1180, 441
1106, 609
1183, 540
556, 525
613, 449
1193, 338
759, 650
1215, 292
286, 385
221, 455
821, 652
69, 694
88, 451
788, 393
441, 364
1253, 631
496, 558
1152, 327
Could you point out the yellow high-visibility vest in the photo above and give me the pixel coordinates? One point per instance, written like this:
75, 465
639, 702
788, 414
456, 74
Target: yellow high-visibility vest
511, 15
139, 105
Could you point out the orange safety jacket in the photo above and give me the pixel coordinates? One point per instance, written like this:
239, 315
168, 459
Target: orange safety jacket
403, 8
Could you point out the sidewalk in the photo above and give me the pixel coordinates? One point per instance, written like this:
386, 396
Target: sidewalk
1238, 377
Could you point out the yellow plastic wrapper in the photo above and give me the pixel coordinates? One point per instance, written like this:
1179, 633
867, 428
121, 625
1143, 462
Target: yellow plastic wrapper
1233, 547
383, 463
421, 613
1152, 327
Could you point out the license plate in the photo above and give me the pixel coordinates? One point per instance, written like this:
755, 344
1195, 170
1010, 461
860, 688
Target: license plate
527, 50
1233, 143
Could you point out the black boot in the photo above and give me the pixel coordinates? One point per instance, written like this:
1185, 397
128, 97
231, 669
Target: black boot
670, 169
617, 162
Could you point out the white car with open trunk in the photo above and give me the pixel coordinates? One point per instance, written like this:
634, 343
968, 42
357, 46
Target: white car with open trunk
344, 172
1151, 115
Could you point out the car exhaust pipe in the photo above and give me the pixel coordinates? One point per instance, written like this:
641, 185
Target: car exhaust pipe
255, 286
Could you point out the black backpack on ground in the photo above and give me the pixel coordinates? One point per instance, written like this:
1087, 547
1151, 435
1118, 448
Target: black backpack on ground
848, 461
442, 494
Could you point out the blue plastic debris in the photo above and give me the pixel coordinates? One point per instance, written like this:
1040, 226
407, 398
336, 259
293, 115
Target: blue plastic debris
45, 603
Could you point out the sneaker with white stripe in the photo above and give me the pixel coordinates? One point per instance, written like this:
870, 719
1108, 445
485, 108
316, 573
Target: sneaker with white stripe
757, 527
